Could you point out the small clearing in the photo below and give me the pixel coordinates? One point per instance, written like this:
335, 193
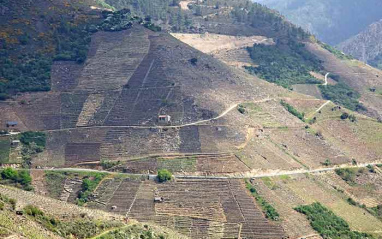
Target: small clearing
184, 4
212, 43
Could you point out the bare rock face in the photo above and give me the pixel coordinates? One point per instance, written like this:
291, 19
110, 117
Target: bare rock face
367, 45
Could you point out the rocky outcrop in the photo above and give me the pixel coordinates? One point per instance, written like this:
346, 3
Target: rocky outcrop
367, 45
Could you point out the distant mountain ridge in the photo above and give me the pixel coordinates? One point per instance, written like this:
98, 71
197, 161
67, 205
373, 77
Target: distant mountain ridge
367, 45
332, 21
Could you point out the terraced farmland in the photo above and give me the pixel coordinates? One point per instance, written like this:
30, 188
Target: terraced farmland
196, 208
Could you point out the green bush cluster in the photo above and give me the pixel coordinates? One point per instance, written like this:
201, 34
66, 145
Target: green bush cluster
342, 94
292, 110
328, 224
348, 174
284, 65
21, 178
89, 184
164, 175
269, 210
107, 164
39, 138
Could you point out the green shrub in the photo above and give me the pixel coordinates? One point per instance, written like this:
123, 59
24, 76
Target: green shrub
164, 175
107, 164
269, 211
13, 203
241, 109
89, 184
328, 224
33, 211
327, 162
344, 116
21, 177
9, 173
292, 110
347, 174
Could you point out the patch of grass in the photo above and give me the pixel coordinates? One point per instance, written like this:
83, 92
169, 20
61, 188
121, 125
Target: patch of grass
328, 224
4, 151
285, 65
285, 177
269, 183
178, 164
269, 211
292, 110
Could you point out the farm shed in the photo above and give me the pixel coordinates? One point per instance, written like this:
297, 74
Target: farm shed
15, 143
12, 124
164, 119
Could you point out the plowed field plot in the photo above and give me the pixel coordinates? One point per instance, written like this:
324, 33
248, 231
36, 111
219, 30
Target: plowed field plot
113, 58
146, 95
188, 164
308, 148
196, 208
81, 152
64, 75
308, 89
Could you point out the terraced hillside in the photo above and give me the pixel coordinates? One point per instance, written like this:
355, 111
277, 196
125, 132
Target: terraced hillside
244, 151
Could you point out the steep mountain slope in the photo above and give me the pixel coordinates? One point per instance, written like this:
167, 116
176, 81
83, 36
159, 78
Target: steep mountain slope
102, 139
366, 46
331, 21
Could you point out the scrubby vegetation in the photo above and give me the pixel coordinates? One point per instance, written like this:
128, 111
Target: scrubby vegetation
73, 228
164, 175
107, 164
89, 184
39, 138
65, 38
376, 211
284, 65
54, 181
20, 179
292, 110
328, 224
31, 72
348, 174
134, 231
4, 150
339, 54
269, 211
342, 94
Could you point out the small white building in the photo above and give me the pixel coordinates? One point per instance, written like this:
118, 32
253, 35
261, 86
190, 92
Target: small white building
15, 143
164, 119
